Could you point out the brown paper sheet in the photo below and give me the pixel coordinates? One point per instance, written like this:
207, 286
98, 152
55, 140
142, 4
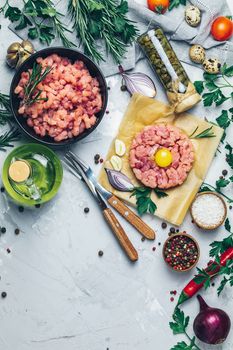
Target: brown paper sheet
143, 111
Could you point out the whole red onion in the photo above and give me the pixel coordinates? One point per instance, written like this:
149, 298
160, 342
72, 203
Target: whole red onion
211, 325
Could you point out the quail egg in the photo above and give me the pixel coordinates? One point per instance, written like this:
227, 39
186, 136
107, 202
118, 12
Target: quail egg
193, 16
212, 65
197, 53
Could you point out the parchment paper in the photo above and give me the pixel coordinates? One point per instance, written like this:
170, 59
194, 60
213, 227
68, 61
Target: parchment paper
143, 111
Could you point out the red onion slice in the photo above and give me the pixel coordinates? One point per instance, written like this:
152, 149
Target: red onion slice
119, 181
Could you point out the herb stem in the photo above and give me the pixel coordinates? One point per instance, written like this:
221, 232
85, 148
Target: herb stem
190, 339
217, 190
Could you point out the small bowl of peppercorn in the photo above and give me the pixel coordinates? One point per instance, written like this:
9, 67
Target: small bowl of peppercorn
181, 252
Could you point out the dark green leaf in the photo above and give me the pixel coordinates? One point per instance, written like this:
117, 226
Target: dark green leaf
13, 13
199, 86
229, 156
23, 23
229, 71
33, 33
160, 194
209, 98
49, 11
211, 86
205, 189
223, 120
227, 225
210, 77
222, 285
222, 183
123, 7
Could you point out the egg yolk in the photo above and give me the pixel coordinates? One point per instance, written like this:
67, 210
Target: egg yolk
163, 157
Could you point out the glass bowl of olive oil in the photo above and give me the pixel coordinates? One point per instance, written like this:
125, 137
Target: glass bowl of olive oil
32, 174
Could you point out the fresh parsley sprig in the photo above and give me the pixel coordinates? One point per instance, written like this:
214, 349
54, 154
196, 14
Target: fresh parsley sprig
219, 184
143, 199
215, 84
176, 3
229, 157
105, 20
42, 19
179, 326
217, 248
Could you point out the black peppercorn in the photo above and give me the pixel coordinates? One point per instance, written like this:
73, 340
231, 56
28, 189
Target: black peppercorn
100, 253
4, 294
17, 231
164, 225
2, 189
86, 210
172, 230
21, 209
123, 88
37, 206
3, 230
224, 172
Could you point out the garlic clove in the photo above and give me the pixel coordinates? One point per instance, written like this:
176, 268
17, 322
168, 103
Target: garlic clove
120, 147
12, 59
21, 59
27, 46
13, 48
116, 163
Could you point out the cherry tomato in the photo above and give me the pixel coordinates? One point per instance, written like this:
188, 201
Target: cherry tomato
222, 28
159, 6
163, 157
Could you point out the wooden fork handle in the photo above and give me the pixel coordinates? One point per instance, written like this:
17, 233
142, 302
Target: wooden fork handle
120, 234
132, 218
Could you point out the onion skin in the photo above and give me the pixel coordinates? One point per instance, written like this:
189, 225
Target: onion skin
211, 325
119, 181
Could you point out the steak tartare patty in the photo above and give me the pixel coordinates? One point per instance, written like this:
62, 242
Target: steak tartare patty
70, 99
148, 142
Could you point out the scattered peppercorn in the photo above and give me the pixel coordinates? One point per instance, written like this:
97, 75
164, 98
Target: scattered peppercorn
97, 157
154, 248
192, 221
220, 177
213, 284
107, 112
109, 88
100, 253
4, 294
3, 230
101, 160
97, 161
143, 239
180, 252
21, 209
37, 206
174, 292
2, 189
177, 230
224, 172
172, 299
172, 230
17, 231
230, 207
159, 243
123, 88
86, 210
8, 250
164, 225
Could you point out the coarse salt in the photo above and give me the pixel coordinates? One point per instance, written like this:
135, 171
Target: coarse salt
208, 211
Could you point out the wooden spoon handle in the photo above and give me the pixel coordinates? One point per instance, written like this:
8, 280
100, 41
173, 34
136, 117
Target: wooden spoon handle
132, 218
120, 234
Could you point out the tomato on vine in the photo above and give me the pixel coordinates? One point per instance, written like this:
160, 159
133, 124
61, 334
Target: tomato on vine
222, 28
159, 6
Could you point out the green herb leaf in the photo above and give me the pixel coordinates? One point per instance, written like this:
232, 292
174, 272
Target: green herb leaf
160, 194
205, 133
8, 137
223, 120
13, 13
143, 200
229, 156
222, 183
227, 225
222, 285
199, 86
176, 3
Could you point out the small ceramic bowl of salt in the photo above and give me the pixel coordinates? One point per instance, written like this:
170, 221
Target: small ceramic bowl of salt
208, 210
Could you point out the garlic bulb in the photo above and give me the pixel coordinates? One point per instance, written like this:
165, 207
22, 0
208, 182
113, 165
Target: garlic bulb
17, 53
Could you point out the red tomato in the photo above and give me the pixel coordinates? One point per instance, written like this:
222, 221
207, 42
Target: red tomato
159, 6
222, 28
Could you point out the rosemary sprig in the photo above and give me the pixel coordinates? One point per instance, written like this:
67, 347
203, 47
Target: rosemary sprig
205, 133
31, 92
5, 111
8, 137
105, 20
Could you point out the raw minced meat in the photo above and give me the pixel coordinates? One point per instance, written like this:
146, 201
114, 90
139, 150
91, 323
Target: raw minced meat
72, 99
148, 142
